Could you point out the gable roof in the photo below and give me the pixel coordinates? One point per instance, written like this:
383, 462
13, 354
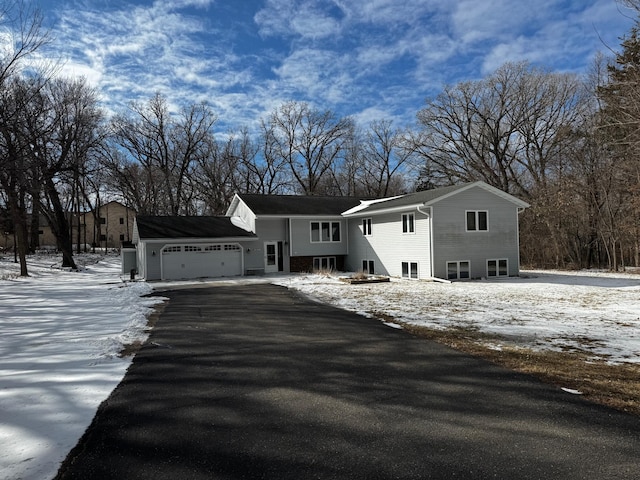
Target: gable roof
429, 197
189, 227
292, 205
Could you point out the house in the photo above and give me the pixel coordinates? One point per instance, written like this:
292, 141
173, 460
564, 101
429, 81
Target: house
114, 227
458, 232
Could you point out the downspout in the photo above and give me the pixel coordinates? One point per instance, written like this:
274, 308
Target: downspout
519, 210
429, 216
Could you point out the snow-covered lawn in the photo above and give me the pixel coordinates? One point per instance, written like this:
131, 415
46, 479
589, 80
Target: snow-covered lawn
60, 333
595, 312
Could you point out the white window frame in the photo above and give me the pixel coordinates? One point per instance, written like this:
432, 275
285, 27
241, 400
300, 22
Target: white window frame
497, 267
366, 227
369, 266
476, 220
324, 263
408, 223
409, 271
458, 270
330, 225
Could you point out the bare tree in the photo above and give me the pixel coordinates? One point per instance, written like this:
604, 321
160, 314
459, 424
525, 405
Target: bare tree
22, 23
162, 149
507, 129
310, 142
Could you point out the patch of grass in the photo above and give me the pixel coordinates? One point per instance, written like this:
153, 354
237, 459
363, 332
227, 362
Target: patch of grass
616, 386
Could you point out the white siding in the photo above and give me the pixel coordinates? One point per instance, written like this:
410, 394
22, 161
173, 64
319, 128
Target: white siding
388, 246
245, 214
453, 243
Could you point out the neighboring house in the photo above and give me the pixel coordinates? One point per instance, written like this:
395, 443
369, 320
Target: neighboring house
113, 228
465, 231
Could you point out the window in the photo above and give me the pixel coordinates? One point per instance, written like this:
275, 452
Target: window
177, 248
368, 266
121, 221
231, 246
192, 248
457, 270
325, 232
408, 224
497, 268
212, 248
103, 238
409, 270
477, 220
103, 221
324, 263
122, 237
366, 227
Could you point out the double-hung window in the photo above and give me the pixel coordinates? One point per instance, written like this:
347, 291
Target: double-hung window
477, 220
325, 232
408, 223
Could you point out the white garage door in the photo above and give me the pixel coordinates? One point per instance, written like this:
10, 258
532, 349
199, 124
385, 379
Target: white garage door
198, 261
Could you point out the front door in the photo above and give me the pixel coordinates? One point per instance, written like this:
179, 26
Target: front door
270, 257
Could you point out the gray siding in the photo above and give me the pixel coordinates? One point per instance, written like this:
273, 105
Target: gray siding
302, 246
268, 230
453, 243
388, 246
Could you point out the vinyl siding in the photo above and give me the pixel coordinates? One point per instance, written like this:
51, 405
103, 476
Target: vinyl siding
388, 246
268, 230
453, 243
302, 246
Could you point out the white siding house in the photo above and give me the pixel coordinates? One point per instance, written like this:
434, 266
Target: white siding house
458, 232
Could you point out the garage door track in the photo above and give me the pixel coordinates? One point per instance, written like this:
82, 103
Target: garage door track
256, 382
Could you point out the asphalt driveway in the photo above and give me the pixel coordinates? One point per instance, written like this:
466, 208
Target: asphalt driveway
256, 382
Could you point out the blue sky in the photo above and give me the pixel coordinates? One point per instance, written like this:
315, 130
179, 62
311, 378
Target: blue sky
371, 59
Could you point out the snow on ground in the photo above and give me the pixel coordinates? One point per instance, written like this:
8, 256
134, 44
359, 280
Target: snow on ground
60, 334
591, 311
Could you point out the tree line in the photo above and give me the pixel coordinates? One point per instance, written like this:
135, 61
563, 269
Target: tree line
566, 144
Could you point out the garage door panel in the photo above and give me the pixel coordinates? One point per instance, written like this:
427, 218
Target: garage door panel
201, 261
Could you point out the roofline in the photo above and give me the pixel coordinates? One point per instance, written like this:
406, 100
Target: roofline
366, 213
486, 186
401, 208
298, 216
198, 239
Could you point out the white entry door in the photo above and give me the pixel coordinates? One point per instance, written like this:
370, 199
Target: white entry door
270, 257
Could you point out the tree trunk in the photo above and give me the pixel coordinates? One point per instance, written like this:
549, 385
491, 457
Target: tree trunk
60, 226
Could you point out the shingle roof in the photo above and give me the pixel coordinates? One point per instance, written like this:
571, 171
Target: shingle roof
298, 204
414, 198
430, 196
189, 227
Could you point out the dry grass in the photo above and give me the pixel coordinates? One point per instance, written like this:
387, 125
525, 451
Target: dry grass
616, 386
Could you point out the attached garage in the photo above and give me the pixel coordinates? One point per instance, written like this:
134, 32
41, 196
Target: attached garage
199, 261
177, 248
